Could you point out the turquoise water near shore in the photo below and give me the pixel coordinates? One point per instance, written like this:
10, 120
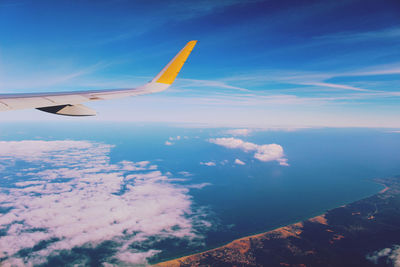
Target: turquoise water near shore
327, 168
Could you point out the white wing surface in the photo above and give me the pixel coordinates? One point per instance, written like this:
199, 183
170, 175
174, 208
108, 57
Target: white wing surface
70, 103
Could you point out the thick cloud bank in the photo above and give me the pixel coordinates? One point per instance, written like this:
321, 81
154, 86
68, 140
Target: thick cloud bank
271, 152
60, 195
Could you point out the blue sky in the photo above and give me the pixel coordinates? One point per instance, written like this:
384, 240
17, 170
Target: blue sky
257, 63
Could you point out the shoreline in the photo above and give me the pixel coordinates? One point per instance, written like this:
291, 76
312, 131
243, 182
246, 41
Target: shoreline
255, 235
242, 244
384, 189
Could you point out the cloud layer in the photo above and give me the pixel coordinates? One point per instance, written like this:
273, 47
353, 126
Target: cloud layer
389, 255
61, 195
238, 132
209, 163
270, 152
239, 162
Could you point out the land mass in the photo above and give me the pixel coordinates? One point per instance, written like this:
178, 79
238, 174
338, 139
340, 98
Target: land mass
343, 236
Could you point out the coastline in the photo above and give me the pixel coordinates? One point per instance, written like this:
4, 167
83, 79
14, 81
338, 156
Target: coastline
384, 189
242, 245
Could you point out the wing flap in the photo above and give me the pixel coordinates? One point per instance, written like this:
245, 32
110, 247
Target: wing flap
3, 107
69, 110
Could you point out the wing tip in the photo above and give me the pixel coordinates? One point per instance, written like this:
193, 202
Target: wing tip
169, 73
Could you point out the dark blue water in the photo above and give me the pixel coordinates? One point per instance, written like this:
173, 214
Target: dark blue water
328, 168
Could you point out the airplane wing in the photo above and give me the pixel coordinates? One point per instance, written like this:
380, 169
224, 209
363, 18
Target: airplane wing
70, 103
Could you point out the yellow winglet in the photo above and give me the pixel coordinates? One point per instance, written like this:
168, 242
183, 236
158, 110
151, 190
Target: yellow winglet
169, 73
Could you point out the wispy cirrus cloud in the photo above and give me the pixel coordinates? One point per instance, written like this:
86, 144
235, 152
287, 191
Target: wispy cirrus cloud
178, 11
210, 83
386, 69
302, 87
336, 86
185, 10
384, 33
67, 194
314, 79
47, 78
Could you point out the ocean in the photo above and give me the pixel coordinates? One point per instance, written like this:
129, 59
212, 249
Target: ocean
229, 199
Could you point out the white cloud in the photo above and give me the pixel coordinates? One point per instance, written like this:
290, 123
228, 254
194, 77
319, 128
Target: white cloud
168, 143
185, 173
224, 162
30, 151
238, 132
71, 194
170, 139
271, 152
198, 186
391, 255
239, 162
209, 163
